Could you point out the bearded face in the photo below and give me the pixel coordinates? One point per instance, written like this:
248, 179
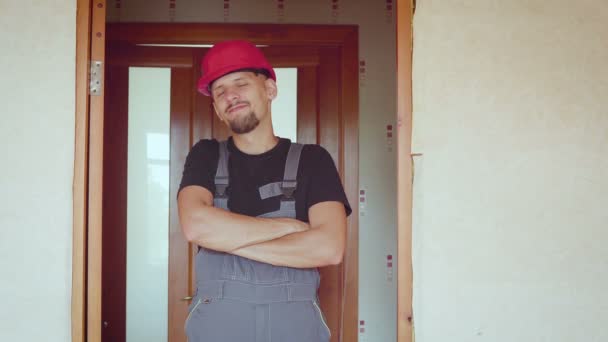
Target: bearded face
245, 123
242, 99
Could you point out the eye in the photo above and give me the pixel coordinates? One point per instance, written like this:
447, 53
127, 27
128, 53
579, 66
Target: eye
240, 85
220, 94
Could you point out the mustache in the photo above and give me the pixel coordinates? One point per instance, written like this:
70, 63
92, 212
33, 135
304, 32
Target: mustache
236, 104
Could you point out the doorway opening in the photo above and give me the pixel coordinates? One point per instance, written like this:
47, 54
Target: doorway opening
325, 62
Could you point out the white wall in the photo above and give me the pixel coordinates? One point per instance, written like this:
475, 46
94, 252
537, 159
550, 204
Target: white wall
510, 217
37, 151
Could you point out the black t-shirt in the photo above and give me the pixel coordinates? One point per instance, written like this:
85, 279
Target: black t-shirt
318, 179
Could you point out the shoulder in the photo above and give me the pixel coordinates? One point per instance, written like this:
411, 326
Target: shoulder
314, 151
205, 146
206, 149
200, 165
204, 152
315, 154
315, 161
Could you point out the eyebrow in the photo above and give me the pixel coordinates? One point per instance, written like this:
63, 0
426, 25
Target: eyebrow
239, 78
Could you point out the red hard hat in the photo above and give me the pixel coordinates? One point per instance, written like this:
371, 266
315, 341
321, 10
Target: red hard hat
228, 56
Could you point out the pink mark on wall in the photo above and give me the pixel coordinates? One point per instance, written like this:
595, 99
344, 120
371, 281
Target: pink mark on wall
172, 6
362, 70
226, 10
389, 268
335, 10
389, 137
389, 11
280, 10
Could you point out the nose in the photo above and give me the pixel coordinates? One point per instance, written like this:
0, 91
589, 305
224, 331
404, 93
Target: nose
231, 94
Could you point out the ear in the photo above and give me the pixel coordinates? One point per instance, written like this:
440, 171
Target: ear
271, 89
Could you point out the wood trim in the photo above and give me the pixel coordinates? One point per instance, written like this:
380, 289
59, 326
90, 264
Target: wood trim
292, 56
329, 124
149, 56
331, 290
404, 172
210, 33
83, 41
350, 163
201, 127
181, 57
179, 248
94, 321
114, 233
202, 114
307, 107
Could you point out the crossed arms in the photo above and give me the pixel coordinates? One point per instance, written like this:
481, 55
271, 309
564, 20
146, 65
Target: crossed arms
276, 241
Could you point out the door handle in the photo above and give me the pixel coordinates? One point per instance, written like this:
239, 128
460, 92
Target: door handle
186, 298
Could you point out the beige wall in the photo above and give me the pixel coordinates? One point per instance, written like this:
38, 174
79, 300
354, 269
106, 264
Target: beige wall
37, 149
509, 111
510, 218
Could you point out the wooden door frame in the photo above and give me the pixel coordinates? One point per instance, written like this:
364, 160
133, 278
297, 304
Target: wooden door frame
343, 37
80, 181
88, 157
405, 321
90, 43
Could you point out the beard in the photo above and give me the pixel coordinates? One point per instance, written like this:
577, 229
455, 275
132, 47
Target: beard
244, 124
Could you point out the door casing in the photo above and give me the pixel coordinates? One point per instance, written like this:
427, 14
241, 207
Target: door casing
345, 38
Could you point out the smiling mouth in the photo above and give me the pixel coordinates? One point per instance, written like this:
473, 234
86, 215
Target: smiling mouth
237, 107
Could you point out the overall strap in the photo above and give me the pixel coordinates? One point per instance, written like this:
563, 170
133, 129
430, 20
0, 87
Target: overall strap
220, 198
289, 184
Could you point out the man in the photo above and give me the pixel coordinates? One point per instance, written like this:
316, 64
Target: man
264, 211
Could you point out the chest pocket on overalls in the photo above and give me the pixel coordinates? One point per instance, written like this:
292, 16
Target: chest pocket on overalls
238, 268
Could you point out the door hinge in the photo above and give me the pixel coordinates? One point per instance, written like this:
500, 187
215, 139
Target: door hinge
95, 77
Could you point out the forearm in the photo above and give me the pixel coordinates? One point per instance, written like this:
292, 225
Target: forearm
313, 248
225, 231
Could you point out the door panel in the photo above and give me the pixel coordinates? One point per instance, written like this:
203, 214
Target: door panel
117, 237
179, 249
114, 300
202, 118
307, 105
148, 169
329, 102
114, 206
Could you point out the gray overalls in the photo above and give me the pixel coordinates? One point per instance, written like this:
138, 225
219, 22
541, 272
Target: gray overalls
242, 300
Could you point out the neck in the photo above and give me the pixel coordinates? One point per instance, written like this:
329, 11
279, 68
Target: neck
257, 141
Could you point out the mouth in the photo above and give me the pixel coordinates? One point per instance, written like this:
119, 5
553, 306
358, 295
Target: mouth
236, 107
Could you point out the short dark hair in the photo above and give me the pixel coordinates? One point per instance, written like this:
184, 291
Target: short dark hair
256, 71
